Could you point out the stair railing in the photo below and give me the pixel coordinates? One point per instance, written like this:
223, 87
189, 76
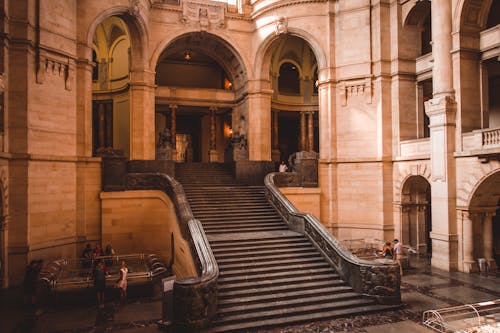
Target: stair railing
376, 280
195, 298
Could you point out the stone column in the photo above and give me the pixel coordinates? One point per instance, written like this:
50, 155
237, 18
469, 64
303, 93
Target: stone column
213, 136
84, 69
142, 115
441, 110
310, 131
259, 121
302, 144
469, 264
275, 138
101, 114
327, 164
488, 241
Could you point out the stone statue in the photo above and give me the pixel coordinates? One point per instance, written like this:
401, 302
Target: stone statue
164, 139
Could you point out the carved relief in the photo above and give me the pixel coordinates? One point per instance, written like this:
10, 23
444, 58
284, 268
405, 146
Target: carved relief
205, 15
281, 26
356, 88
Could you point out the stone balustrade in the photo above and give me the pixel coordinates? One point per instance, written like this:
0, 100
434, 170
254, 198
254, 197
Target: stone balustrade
491, 138
377, 280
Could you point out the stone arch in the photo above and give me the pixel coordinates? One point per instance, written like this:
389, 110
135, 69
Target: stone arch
422, 169
137, 31
414, 15
471, 15
295, 63
232, 62
264, 52
484, 192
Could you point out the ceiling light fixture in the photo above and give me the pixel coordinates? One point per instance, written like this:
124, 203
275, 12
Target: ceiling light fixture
187, 55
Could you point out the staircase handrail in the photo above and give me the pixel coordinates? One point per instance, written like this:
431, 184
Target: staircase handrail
195, 301
377, 280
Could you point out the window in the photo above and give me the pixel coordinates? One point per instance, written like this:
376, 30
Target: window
289, 79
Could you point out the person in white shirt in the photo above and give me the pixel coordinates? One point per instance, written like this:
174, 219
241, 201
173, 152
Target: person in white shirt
398, 255
283, 167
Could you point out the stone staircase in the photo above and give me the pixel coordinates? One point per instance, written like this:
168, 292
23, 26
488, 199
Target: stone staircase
269, 275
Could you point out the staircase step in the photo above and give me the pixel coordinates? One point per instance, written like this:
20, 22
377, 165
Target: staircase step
288, 318
264, 282
275, 289
305, 273
261, 254
294, 302
256, 258
293, 294
258, 270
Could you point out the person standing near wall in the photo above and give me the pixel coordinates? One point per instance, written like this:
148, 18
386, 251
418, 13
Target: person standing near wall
122, 282
398, 255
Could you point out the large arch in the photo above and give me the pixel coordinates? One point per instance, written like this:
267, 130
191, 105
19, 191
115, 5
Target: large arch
471, 15
264, 52
233, 58
482, 232
137, 28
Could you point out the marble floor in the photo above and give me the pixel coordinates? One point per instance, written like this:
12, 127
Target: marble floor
422, 289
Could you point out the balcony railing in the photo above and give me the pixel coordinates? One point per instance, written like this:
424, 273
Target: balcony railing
491, 138
482, 141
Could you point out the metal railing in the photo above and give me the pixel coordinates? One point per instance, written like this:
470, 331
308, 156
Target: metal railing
70, 274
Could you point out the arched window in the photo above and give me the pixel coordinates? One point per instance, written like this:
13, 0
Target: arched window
289, 79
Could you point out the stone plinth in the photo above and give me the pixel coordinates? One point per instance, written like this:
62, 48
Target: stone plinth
305, 163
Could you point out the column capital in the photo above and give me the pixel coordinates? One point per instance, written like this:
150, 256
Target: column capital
173, 106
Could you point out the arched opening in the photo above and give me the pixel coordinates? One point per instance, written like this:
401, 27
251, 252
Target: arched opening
289, 79
484, 231
416, 44
416, 215
110, 88
199, 78
294, 72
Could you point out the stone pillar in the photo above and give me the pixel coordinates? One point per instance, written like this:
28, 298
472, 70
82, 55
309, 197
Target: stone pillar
84, 69
101, 114
275, 154
142, 115
213, 137
488, 241
310, 131
441, 110
302, 144
469, 264
327, 169
259, 121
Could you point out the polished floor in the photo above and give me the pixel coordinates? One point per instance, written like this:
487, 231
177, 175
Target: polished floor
423, 288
